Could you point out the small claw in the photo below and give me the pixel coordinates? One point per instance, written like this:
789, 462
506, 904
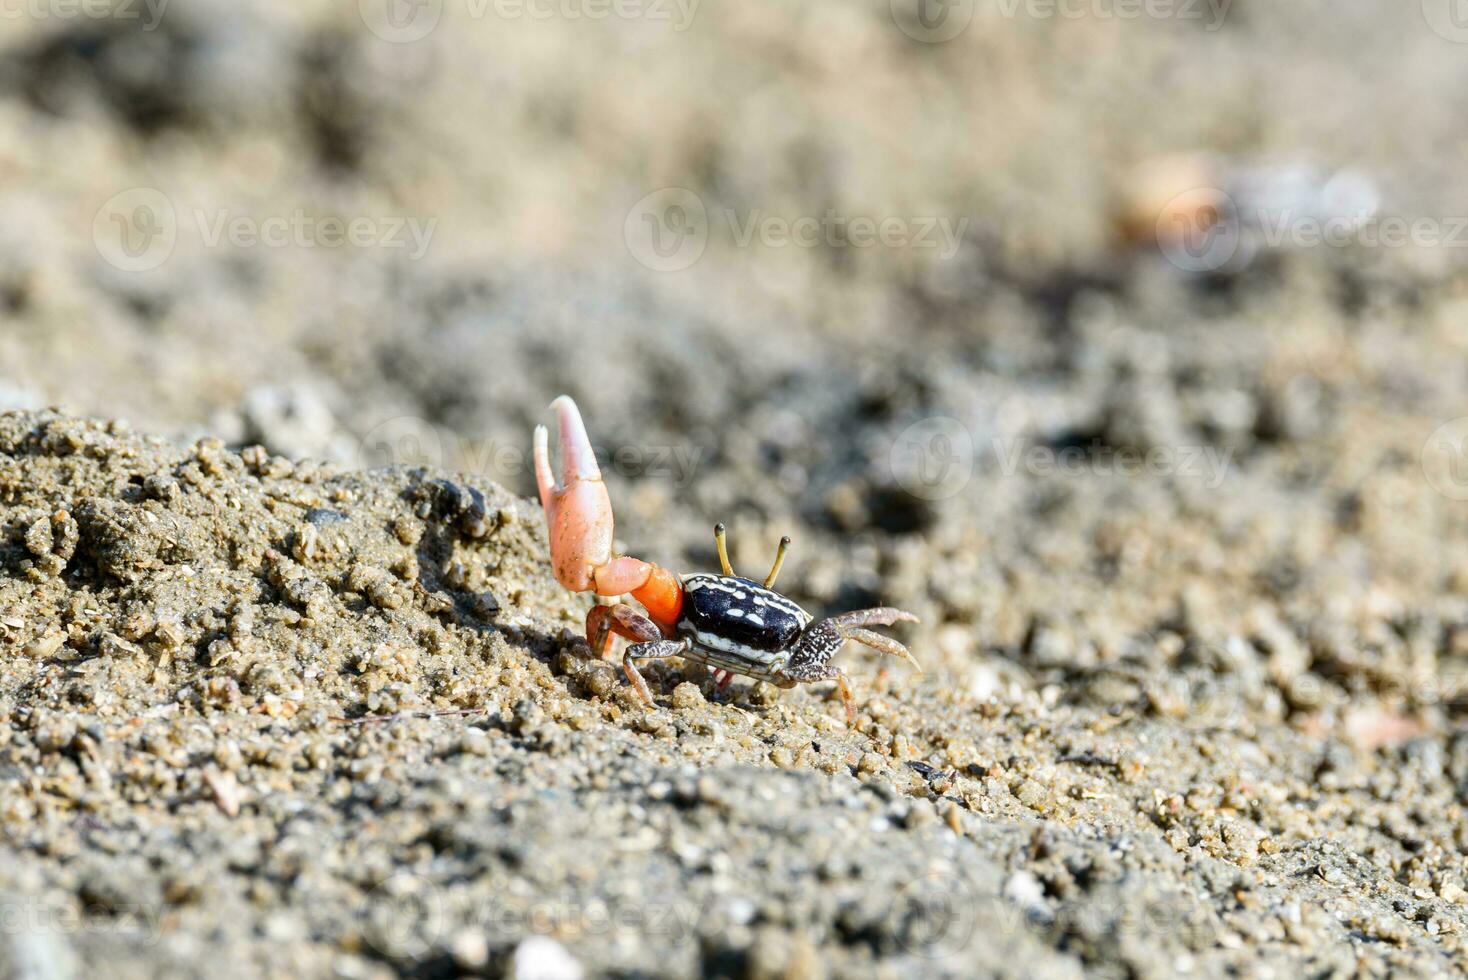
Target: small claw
578, 511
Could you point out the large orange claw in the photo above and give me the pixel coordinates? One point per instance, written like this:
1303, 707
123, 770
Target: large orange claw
578, 514
578, 511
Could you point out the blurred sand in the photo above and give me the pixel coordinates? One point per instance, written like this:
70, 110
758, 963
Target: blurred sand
1185, 545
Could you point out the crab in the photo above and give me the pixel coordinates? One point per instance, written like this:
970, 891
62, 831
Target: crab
732, 624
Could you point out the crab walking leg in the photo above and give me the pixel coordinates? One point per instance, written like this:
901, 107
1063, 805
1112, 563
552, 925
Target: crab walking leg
811, 673
880, 616
880, 643
621, 619
654, 650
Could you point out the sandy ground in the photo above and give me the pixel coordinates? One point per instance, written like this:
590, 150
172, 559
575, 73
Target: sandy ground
286, 685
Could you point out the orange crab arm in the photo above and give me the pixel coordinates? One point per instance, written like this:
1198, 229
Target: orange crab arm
578, 514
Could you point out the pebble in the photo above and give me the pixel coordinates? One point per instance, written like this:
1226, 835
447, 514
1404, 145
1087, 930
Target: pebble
541, 958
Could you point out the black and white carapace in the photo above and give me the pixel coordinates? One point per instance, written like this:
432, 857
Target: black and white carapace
733, 624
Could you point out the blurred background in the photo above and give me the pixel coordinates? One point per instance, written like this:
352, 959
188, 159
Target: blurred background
886, 276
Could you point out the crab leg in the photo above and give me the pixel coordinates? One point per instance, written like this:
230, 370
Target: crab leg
880, 643
621, 619
814, 672
880, 616
651, 650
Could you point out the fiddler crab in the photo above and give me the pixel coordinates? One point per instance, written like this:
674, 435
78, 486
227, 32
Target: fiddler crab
733, 624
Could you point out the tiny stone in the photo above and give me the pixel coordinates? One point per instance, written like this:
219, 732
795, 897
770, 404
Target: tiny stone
599, 680
470, 949
542, 958
475, 742
687, 696
527, 716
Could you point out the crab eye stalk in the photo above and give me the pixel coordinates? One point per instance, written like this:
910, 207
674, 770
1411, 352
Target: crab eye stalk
779, 561
721, 542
